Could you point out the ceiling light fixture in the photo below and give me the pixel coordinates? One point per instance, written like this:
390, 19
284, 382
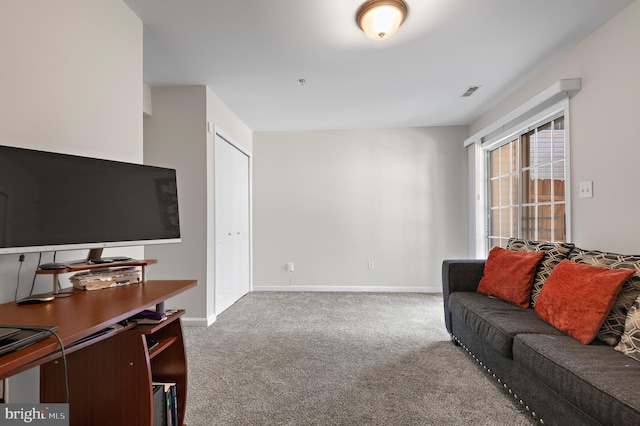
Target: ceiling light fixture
380, 19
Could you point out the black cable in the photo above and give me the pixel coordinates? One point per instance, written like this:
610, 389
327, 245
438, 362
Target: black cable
20, 259
64, 356
33, 283
64, 364
34, 328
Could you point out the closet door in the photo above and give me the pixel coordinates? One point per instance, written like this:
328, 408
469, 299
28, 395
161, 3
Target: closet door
232, 248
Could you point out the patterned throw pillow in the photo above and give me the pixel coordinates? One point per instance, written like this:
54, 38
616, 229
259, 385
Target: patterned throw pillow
630, 340
553, 254
613, 326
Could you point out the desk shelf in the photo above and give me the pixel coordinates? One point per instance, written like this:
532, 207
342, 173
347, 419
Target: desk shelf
162, 345
119, 372
110, 375
87, 266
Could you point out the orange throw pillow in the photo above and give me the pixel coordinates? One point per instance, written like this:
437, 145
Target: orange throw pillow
576, 298
508, 275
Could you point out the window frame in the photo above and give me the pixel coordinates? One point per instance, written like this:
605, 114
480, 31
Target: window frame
480, 243
519, 202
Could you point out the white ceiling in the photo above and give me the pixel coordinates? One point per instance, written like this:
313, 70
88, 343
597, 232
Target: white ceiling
252, 53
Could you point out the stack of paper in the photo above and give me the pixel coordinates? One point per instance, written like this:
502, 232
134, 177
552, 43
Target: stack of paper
107, 277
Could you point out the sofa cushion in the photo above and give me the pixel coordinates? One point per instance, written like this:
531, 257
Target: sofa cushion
496, 321
553, 254
613, 326
577, 298
594, 377
630, 340
508, 275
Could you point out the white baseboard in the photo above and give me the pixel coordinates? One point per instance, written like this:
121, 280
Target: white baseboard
369, 289
198, 322
205, 322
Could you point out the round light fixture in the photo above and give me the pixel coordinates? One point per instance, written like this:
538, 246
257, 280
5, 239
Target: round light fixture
380, 19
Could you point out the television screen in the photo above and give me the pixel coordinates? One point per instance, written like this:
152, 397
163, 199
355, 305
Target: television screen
51, 201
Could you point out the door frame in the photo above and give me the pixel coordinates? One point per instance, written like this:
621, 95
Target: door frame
219, 133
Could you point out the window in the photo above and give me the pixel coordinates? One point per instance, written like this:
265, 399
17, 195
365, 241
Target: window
519, 172
527, 183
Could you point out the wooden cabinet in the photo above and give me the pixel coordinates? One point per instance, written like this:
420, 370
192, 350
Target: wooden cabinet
109, 375
168, 359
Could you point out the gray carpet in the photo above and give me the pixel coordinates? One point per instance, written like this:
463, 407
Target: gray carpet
337, 359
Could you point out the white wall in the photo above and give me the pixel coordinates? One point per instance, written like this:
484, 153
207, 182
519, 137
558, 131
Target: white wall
220, 119
70, 81
330, 201
176, 136
604, 146
224, 119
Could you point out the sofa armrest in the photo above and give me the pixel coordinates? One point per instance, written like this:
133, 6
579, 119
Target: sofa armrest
459, 275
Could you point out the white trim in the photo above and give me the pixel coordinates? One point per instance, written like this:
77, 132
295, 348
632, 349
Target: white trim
218, 132
247, 152
567, 167
485, 144
477, 227
531, 123
494, 135
198, 322
546, 103
551, 95
352, 289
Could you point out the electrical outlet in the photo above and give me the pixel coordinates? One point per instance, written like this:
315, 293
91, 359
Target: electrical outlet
371, 265
586, 189
290, 267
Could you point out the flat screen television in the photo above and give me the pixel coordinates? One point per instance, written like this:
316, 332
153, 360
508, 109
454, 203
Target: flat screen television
51, 201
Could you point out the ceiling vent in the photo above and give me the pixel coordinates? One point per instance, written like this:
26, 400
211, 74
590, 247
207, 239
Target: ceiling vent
470, 91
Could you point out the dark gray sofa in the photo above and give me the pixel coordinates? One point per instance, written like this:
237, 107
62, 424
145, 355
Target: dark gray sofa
557, 379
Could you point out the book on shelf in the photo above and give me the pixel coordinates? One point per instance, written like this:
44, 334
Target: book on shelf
106, 277
172, 406
159, 406
170, 403
148, 317
151, 343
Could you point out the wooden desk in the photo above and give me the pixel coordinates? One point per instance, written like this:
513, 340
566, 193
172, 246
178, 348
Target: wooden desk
109, 376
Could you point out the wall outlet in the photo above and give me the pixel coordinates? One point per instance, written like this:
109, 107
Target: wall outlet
586, 189
371, 265
290, 267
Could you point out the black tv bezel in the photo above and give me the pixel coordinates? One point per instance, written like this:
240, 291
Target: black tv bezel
94, 247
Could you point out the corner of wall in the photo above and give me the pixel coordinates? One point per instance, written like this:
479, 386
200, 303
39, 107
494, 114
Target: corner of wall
146, 101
